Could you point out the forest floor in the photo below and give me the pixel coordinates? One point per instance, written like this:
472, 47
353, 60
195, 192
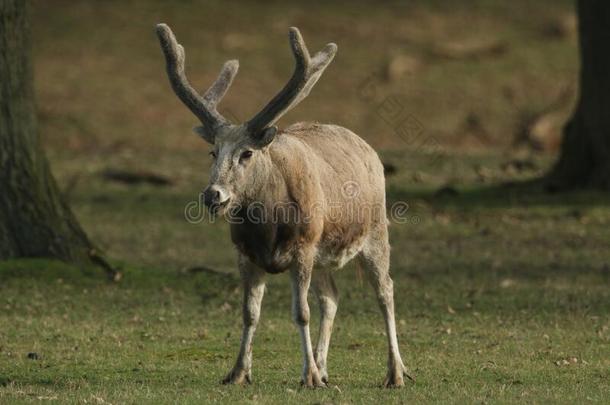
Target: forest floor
502, 289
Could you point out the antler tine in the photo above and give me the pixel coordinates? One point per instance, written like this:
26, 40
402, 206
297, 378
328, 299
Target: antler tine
203, 107
306, 73
219, 88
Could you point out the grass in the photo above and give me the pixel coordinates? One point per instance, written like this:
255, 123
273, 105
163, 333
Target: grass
502, 292
499, 299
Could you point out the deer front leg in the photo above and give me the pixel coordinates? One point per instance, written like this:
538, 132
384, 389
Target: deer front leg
254, 289
300, 275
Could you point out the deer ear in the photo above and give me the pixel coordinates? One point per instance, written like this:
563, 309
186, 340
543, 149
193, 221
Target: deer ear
201, 131
266, 136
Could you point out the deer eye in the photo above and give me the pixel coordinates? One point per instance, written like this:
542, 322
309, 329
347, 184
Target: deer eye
245, 155
213, 154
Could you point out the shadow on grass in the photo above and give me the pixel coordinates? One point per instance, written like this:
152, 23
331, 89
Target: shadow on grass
212, 286
48, 269
525, 194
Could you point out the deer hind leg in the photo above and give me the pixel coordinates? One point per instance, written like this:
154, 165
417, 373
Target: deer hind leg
375, 259
328, 299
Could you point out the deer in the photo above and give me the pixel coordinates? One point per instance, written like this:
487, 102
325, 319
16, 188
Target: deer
324, 172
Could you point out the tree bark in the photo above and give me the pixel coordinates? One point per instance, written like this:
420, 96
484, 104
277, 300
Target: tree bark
34, 219
585, 153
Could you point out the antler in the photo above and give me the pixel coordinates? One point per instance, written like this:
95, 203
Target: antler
306, 73
203, 107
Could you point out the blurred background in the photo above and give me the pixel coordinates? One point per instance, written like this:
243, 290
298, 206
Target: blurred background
473, 73
449, 93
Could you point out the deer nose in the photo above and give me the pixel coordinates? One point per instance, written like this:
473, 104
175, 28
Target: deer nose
214, 195
211, 195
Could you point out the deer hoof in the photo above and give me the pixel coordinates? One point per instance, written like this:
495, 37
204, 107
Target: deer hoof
312, 379
238, 376
396, 377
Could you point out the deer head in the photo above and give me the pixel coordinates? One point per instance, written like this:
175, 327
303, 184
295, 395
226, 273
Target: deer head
240, 150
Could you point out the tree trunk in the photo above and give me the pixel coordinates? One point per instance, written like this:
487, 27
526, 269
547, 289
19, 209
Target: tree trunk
585, 151
34, 219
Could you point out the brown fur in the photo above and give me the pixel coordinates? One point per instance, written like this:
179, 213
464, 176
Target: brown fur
310, 162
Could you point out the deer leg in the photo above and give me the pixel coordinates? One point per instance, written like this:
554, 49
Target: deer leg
375, 259
328, 299
300, 275
254, 289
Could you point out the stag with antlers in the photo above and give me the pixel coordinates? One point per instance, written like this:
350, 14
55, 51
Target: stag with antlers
333, 179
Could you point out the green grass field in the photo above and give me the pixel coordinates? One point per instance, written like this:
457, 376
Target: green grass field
500, 296
502, 291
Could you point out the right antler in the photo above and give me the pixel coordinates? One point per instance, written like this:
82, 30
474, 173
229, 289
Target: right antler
306, 73
203, 107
